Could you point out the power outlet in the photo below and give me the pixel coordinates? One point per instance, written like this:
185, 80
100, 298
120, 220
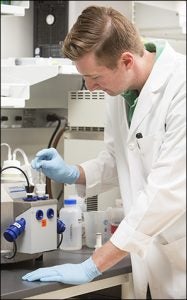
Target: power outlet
11, 118
30, 118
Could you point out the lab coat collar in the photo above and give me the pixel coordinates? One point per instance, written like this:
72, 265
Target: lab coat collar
162, 68
157, 80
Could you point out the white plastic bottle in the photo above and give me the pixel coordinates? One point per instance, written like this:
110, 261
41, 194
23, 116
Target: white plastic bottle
71, 215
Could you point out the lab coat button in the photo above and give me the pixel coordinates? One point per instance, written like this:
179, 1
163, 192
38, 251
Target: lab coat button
131, 146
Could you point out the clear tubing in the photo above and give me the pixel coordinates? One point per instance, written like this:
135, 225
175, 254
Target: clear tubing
9, 150
23, 154
27, 164
40, 177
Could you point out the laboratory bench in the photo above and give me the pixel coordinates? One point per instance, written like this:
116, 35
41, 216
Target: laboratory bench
13, 287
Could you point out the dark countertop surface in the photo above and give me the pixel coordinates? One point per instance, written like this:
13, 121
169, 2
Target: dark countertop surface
13, 287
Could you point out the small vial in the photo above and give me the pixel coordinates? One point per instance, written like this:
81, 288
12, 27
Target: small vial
98, 240
40, 177
40, 187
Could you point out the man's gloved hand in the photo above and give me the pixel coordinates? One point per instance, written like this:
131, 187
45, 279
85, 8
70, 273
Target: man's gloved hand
54, 167
67, 273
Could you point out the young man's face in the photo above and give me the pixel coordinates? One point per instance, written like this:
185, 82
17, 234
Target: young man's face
98, 77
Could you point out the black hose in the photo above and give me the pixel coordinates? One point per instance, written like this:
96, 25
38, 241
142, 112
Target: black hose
54, 118
61, 239
54, 145
10, 167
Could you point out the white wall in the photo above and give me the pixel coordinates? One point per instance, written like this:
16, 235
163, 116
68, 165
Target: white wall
76, 7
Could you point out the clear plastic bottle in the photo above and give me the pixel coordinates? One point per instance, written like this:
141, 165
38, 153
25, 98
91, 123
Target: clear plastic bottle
71, 216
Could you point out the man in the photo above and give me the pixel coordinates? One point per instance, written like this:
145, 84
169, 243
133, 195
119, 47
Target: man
144, 155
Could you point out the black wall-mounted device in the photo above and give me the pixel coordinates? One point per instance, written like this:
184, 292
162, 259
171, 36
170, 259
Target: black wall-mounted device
50, 27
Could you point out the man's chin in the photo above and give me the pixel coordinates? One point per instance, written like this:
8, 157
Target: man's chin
111, 93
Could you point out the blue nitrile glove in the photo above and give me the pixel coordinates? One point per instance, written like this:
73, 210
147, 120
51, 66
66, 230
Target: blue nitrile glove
54, 167
67, 273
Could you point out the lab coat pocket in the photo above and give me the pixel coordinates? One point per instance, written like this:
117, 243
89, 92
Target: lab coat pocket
176, 254
149, 147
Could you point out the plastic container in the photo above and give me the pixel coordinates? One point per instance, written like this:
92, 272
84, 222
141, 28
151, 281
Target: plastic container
96, 222
115, 216
71, 216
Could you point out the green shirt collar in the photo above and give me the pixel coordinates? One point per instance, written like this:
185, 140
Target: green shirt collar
130, 96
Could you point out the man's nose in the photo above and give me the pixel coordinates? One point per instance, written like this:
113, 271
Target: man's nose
91, 85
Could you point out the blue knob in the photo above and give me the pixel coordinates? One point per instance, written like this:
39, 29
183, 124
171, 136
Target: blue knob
60, 226
39, 214
14, 230
50, 213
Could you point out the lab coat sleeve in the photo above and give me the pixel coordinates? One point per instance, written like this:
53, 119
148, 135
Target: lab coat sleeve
97, 180
162, 202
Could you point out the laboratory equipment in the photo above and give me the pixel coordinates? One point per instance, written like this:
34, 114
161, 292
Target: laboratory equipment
40, 189
71, 215
96, 222
50, 27
12, 179
29, 225
40, 231
98, 240
84, 139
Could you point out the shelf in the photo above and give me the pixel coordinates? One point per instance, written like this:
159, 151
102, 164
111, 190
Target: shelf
11, 89
165, 33
12, 102
169, 5
18, 74
35, 70
155, 19
14, 10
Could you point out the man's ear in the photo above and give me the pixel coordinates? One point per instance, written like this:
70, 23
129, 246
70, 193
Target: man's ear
127, 59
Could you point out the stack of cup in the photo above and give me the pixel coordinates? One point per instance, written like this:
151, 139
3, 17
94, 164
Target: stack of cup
95, 222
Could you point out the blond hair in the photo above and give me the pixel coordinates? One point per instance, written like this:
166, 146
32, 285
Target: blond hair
104, 31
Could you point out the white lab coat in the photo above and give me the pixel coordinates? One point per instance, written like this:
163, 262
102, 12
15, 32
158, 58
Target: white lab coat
151, 175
